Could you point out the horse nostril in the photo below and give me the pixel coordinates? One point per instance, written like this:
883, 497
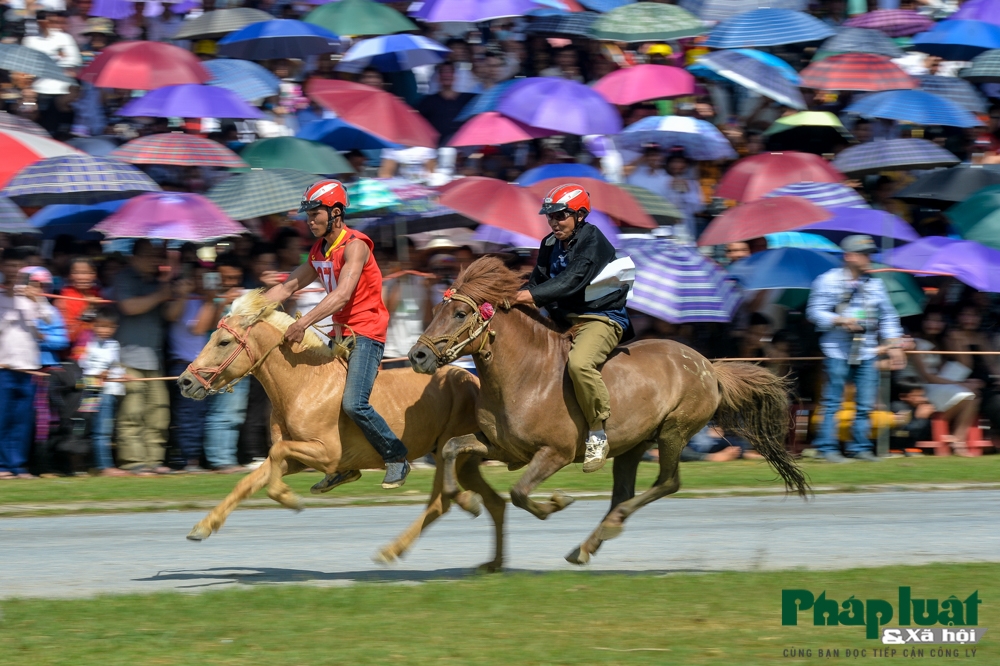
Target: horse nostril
185, 382
418, 356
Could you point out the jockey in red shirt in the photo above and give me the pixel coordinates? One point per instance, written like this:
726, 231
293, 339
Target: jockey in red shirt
342, 260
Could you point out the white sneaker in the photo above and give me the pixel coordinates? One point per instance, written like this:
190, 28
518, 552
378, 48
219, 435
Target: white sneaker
597, 453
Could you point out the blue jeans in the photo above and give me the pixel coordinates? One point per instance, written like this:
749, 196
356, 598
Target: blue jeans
362, 368
17, 418
865, 378
104, 429
226, 414
187, 421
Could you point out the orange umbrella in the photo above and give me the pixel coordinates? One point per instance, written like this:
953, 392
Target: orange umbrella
374, 111
606, 197
496, 203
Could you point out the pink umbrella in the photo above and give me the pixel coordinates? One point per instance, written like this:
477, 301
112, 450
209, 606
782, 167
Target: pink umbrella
495, 129
375, 111
144, 66
170, 216
497, 203
644, 82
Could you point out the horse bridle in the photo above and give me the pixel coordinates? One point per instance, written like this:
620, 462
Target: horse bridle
474, 326
214, 372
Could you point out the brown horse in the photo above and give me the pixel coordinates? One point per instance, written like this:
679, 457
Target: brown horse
662, 393
305, 385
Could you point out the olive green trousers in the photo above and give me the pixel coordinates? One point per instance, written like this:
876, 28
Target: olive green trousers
595, 338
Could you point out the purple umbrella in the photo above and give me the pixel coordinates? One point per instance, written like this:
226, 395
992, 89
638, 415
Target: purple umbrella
170, 216
969, 261
190, 100
987, 11
559, 105
876, 223
471, 11
489, 234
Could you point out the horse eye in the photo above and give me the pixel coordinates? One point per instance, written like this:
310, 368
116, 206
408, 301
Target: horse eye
460, 315
223, 343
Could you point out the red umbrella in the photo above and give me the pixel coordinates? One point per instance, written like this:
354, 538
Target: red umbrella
144, 66
20, 150
753, 177
864, 72
496, 203
374, 111
644, 82
606, 197
495, 129
764, 216
178, 149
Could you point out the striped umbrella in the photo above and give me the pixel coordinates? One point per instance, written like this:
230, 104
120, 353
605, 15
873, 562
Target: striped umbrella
753, 74
178, 149
646, 22
827, 195
985, 68
577, 24
957, 90
9, 121
17, 58
77, 179
863, 72
914, 106
893, 154
212, 25
767, 27
700, 139
247, 79
243, 196
893, 22
12, 220
20, 150
860, 40
721, 10
675, 283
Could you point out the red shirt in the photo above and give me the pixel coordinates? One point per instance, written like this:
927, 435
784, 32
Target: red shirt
365, 313
79, 332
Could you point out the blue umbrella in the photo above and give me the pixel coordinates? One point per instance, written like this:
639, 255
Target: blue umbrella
561, 23
486, 101
280, 38
393, 53
801, 241
913, 106
959, 91
751, 72
783, 268
767, 27
336, 133
700, 139
786, 70
958, 39
245, 78
721, 10
876, 223
532, 176
604, 6
868, 158
73, 219
826, 195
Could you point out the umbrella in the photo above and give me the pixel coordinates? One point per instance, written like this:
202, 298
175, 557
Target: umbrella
765, 216
113, 9
604, 6
893, 22
721, 10
675, 283
978, 217
893, 154
908, 299
497, 203
368, 194
985, 68
9, 121
700, 139
170, 216
486, 101
278, 38
605, 197
753, 177
177, 149
913, 106
73, 219
374, 111
17, 58
495, 129
393, 53
865, 72
945, 187
656, 206
489, 234
359, 17
190, 101
876, 223
337, 134
817, 132
644, 82
20, 150
561, 105
470, 11
576, 24
144, 66
969, 261
979, 10
701, 70
12, 220
77, 179
859, 40
957, 90
212, 25
646, 22
567, 171
827, 195
261, 192
287, 152
767, 27
958, 40
247, 79
783, 268
801, 240
749, 72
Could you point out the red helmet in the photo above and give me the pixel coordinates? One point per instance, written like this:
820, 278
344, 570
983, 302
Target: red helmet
327, 193
571, 197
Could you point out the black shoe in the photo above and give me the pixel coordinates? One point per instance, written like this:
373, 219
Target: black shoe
331, 481
835, 457
867, 456
395, 474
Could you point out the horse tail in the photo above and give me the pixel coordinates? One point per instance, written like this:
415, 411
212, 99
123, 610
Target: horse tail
753, 404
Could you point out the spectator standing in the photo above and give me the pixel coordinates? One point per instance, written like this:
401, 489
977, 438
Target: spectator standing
79, 305
441, 108
53, 41
101, 361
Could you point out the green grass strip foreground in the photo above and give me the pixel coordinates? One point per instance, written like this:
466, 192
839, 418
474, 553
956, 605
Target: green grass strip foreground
557, 618
699, 476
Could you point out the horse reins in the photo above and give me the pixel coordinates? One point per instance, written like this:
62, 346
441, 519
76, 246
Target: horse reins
242, 345
474, 326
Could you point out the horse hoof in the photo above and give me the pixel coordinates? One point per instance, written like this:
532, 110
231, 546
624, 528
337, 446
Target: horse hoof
578, 556
561, 500
471, 502
384, 557
608, 532
199, 533
489, 567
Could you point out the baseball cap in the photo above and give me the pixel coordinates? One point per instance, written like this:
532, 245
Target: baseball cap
859, 243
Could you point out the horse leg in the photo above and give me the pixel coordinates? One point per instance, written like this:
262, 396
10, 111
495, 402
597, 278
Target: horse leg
475, 444
289, 457
436, 507
471, 478
246, 487
546, 462
625, 467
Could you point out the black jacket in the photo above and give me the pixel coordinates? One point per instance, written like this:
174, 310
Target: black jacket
589, 253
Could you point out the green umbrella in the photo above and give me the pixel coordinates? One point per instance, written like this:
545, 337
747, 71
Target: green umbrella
287, 152
658, 208
359, 17
906, 295
646, 22
369, 194
261, 192
815, 132
978, 217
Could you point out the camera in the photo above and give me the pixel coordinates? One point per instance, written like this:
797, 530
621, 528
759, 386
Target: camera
211, 281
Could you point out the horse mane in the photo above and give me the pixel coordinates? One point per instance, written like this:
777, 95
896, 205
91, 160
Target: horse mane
253, 307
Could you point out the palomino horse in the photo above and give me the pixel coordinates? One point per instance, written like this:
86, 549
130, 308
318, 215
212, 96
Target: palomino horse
662, 393
305, 385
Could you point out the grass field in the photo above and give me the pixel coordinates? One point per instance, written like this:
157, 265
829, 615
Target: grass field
558, 618
175, 491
